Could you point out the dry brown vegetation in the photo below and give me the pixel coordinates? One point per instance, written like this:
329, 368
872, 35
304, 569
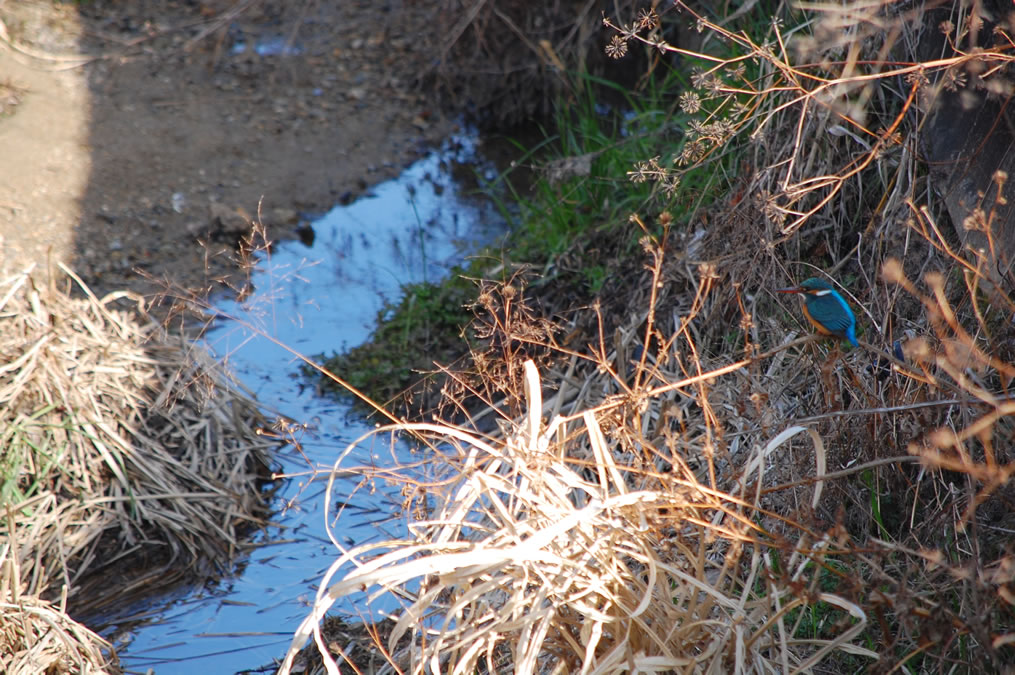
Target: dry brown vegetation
508, 60
127, 453
687, 485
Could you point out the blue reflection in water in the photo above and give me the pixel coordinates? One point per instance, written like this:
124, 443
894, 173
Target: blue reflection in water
314, 300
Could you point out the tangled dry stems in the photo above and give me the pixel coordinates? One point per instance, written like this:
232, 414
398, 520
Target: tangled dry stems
598, 542
657, 522
827, 115
668, 515
39, 637
553, 550
120, 440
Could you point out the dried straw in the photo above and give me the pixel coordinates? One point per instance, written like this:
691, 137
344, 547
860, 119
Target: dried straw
546, 551
36, 636
120, 441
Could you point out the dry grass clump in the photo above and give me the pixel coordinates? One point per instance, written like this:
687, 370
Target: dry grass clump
543, 553
120, 443
613, 538
358, 642
38, 637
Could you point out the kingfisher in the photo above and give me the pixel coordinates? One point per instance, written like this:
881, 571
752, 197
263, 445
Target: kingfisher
826, 309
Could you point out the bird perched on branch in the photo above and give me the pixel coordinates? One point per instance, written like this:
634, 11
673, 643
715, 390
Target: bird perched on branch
826, 309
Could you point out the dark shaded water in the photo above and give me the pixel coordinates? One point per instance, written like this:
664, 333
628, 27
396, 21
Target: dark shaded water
315, 299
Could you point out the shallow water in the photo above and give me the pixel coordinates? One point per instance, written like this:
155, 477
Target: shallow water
315, 299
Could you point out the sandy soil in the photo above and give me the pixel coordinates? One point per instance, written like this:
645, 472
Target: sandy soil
134, 130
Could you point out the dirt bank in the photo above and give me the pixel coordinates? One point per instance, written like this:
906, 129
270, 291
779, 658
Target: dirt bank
134, 130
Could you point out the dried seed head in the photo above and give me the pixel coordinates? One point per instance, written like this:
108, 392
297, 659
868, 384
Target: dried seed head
617, 49
690, 103
891, 271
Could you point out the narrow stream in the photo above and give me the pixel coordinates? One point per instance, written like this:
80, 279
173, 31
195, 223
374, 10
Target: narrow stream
315, 299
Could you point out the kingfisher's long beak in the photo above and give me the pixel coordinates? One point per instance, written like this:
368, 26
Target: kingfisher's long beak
791, 289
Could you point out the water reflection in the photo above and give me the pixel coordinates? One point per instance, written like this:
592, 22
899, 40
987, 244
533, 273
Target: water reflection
315, 299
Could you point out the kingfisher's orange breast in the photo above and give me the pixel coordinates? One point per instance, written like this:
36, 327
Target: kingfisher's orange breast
821, 329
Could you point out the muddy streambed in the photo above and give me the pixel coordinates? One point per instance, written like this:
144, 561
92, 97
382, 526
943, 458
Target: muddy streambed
315, 298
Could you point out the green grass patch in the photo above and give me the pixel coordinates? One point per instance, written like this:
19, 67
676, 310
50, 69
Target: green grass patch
426, 325
32, 451
572, 226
